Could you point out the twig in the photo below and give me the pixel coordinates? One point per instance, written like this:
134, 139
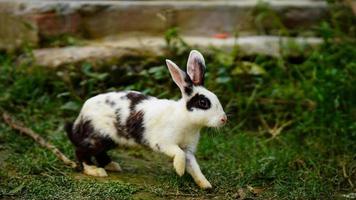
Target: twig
276, 129
181, 194
309, 104
185, 195
346, 176
40, 140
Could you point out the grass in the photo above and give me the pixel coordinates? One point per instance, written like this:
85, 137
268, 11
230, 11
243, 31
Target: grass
311, 93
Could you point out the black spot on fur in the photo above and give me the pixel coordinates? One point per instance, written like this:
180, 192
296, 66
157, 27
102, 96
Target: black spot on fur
198, 101
120, 128
188, 89
82, 155
188, 81
81, 132
110, 102
135, 99
102, 159
88, 143
134, 126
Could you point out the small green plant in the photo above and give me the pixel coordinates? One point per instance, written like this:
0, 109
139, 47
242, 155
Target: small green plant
175, 43
60, 41
267, 20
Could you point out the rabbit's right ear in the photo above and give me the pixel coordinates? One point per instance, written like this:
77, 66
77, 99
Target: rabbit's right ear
196, 67
179, 77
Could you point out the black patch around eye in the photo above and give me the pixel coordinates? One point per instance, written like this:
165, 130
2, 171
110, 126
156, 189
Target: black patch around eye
198, 101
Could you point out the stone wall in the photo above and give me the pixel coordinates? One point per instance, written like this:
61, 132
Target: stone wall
16, 30
24, 22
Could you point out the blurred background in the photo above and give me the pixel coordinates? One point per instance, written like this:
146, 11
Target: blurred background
284, 70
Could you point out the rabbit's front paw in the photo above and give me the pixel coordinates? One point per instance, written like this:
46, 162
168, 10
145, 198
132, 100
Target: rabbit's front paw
205, 184
179, 164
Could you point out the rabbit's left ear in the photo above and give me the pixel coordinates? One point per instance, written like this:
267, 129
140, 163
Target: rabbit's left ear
179, 77
196, 67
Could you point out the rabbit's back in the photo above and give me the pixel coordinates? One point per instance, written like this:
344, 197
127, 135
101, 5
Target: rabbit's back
114, 115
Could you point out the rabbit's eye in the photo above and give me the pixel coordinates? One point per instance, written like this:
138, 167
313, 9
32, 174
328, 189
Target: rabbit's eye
203, 103
199, 101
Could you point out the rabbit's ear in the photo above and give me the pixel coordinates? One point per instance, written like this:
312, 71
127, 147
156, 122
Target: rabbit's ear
196, 67
179, 76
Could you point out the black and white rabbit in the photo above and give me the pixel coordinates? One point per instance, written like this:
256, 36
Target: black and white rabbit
130, 118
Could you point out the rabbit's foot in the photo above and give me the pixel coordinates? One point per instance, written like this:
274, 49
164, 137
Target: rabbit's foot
92, 170
179, 163
204, 184
113, 166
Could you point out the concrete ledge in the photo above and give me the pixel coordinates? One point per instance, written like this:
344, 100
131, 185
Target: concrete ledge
104, 51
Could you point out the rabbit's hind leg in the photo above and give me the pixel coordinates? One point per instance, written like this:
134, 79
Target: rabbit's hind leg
88, 166
93, 170
103, 160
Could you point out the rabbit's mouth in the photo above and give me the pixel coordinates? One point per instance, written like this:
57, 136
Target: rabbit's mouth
217, 122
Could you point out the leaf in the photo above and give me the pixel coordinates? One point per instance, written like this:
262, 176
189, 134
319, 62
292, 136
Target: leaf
249, 68
71, 105
255, 190
153, 70
222, 80
63, 94
99, 76
241, 193
158, 72
86, 69
351, 195
17, 189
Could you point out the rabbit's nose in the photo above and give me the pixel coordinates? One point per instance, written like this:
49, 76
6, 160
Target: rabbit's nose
224, 119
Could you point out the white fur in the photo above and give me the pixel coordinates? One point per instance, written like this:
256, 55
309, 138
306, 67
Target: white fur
169, 127
103, 116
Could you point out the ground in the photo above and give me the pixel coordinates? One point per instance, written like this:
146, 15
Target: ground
291, 131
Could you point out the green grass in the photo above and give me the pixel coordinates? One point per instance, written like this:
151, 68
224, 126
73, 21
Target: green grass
313, 157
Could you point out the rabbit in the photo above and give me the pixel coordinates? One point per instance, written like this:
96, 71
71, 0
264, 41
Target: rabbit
130, 118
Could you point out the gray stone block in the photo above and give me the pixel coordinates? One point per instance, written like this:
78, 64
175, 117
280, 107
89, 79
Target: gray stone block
15, 29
